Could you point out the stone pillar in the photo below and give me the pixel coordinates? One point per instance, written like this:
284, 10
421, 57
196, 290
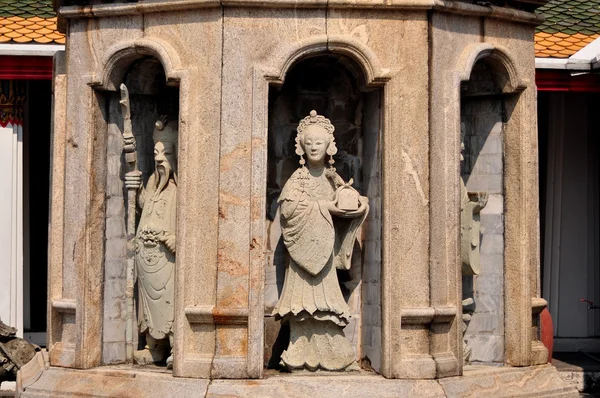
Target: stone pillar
445, 267
76, 289
57, 176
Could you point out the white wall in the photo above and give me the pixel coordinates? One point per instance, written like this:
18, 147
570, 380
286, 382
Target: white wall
11, 226
571, 261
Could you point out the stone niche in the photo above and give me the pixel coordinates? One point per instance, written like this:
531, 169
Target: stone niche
334, 85
150, 98
483, 116
396, 80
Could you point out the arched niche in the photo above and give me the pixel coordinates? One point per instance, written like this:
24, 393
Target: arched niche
494, 102
483, 107
150, 98
336, 86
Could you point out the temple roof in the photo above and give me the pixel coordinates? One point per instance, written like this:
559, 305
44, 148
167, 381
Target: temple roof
570, 25
29, 21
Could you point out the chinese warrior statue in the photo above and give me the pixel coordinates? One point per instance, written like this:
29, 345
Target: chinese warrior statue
155, 247
320, 217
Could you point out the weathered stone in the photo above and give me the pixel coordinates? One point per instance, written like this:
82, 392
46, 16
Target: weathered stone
392, 75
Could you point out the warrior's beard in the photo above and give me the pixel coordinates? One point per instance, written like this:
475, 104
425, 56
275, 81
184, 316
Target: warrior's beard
164, 172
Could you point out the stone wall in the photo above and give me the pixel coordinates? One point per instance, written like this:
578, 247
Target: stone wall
224, 58
482, 170
115, 263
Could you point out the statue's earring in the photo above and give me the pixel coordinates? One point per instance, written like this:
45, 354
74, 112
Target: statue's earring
331, 150
302, 160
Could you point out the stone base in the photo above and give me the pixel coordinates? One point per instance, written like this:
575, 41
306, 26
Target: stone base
125, 381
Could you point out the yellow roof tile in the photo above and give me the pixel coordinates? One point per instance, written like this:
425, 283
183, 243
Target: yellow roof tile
44, 40
44, 31
24, 31
572, 40
22, 39
25, 22
567, 53
555, 47
13, 34
54, 36
4, 39
545, 43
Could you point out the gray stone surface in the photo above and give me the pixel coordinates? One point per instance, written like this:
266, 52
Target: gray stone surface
483, 169
124, 381
410, 59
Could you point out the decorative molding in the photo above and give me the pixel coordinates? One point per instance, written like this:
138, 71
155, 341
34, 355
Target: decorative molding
538, 304
373, 73
112, 68
502, 62
427, 315
64, 306
491, 11
215, 315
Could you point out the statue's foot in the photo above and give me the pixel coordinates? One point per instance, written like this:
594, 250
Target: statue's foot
170, 362
143, 357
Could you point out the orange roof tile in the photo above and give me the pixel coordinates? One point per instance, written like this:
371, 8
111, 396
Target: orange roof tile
559, 45
29, 30
28, 21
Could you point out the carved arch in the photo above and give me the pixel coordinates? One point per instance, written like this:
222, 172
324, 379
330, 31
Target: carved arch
503, 65
119, 57
373, 73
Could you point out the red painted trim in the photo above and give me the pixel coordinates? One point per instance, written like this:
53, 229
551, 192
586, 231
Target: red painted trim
25, 67
9, 121
552, 80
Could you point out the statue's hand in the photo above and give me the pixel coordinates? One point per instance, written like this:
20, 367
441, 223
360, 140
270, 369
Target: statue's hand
170, 241
363, 205
334, 210
133, 179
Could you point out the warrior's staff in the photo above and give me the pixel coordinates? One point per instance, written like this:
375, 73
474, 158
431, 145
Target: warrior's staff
131, 160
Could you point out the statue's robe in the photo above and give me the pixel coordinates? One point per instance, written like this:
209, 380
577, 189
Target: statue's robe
311, 299
155, 263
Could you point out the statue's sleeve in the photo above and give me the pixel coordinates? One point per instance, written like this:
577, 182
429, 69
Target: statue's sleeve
307, 227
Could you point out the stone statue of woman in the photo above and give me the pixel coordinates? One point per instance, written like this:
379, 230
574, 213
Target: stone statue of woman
320, 216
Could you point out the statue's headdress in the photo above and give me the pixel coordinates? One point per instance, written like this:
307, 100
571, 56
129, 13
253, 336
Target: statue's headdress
314, 120
165, 132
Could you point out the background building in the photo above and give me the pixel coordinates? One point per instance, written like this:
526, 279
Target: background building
28, 40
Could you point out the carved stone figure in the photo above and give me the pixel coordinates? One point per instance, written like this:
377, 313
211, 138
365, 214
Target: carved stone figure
155, 247
471, 204
15, 352
320, 216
